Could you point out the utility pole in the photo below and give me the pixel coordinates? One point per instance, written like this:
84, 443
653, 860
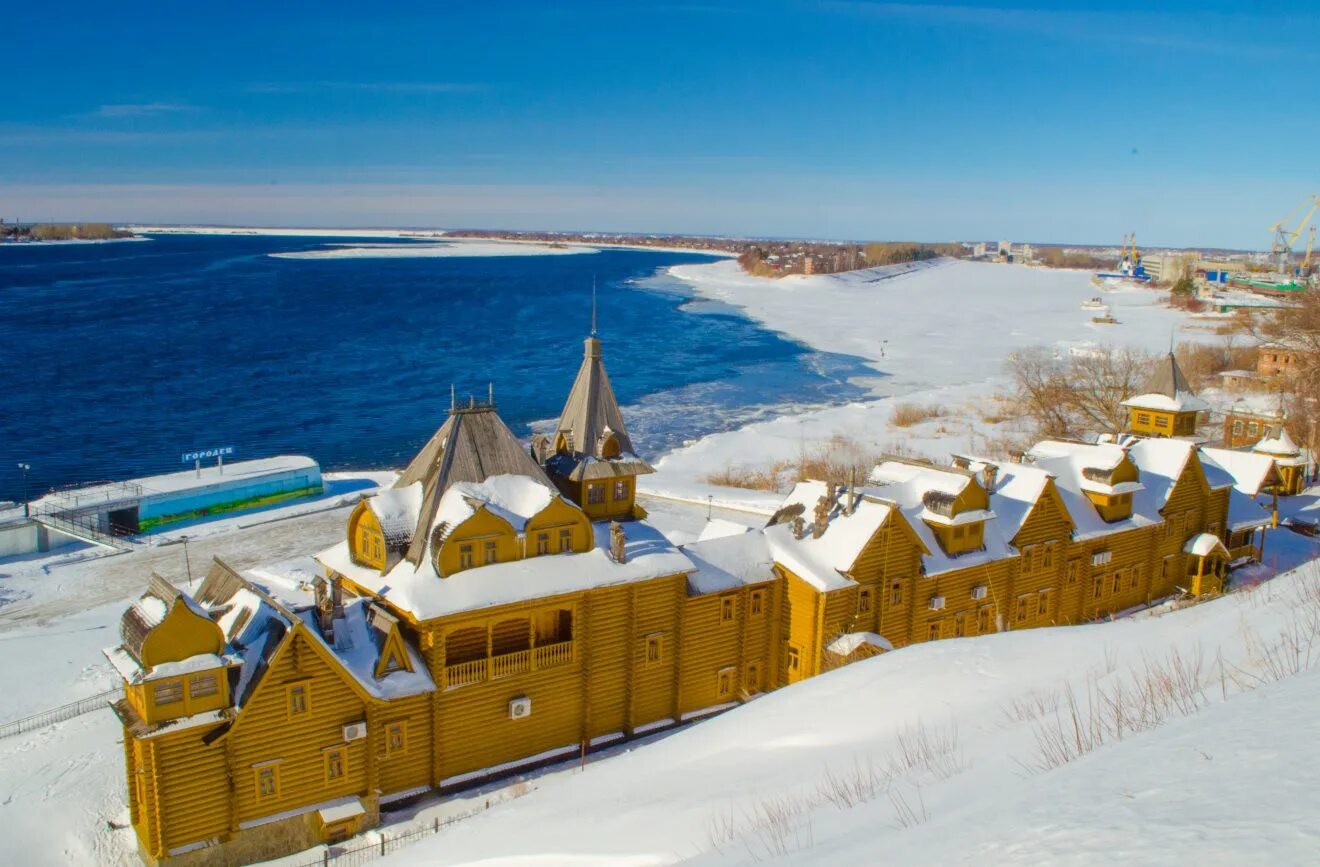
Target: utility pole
186, 562
26, 508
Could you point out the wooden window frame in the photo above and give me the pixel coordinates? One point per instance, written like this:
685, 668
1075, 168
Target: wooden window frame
335, 761
653, 649
596, 493
728, 609
896, 593
261, 769
465, 556
298, 708
566, 540
794, 658
490, 552
621, 490
864, 601
756, 603
401, 727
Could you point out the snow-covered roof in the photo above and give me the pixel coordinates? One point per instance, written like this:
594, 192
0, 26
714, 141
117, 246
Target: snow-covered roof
1280, 445
910, 486
423, 594
357, 649
1183, 401
1263, 405
397, 511
516, 499
1203, 544
1161, 462
1250, 473
1016, 490
726, 562
848, 643
1068, 462
718, 528
823, 561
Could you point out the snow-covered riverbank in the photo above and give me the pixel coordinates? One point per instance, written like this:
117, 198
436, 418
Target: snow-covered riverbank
936, 334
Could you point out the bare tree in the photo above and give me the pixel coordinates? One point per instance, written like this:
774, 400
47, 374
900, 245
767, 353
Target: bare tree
1069, 397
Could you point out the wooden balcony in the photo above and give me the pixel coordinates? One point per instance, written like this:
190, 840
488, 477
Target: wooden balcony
465, 673
509, 664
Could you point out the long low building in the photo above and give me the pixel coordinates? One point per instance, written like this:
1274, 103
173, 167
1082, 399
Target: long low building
503, 606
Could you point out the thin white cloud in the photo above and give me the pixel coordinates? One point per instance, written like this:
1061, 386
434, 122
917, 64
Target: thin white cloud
140, 109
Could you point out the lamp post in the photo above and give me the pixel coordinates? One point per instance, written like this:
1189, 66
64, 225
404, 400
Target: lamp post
24, 469
187, 564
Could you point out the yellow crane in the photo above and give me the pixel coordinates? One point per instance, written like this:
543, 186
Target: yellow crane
1281, 247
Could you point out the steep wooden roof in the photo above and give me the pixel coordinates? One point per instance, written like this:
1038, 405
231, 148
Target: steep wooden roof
1167, 379
472, 445
591, 418
591, 412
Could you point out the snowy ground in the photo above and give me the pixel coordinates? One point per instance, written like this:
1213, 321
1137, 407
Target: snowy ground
937, 335
746, 786
937, 754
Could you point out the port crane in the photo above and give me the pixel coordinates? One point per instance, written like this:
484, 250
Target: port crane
1281, 246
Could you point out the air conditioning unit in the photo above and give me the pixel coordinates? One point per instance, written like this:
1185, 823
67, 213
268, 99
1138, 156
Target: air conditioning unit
1100, 558
937, 603
980, 591
355, 731
520, 707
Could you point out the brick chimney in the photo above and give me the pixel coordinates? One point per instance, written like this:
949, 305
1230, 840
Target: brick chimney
821, 518
852, 491
617, 543
989, 475
799, 527
325, 609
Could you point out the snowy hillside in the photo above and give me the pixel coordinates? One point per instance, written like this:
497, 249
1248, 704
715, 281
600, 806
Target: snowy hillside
1174, 738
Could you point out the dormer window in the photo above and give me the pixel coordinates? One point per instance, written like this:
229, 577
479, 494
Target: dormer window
609, 447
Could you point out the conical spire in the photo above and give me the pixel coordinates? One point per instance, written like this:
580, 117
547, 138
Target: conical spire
591, 414
1167, 379
471, 446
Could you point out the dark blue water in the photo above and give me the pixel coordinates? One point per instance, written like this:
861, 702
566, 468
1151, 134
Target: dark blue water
115, 358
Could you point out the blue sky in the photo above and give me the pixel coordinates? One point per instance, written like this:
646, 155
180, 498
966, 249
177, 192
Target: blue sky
1190, 123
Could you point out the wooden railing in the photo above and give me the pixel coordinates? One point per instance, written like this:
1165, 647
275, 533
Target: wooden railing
465, 673
508, 664
554, 654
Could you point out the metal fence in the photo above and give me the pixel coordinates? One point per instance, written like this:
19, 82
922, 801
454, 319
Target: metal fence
358, 851
59, 714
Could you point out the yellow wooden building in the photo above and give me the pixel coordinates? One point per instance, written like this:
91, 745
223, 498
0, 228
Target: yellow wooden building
502, 606
1167, 406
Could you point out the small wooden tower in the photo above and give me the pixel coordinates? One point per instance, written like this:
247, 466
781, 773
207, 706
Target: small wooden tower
1167, 406
589, 456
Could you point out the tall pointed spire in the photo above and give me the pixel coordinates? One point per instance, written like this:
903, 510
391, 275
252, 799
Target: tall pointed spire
593, 305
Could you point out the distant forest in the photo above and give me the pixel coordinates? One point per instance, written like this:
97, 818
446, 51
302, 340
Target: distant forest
60, 232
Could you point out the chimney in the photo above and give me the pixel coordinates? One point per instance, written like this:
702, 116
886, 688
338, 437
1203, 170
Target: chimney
989, 475
799, 527
852, 491
617, 543
821, 518
325, 609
